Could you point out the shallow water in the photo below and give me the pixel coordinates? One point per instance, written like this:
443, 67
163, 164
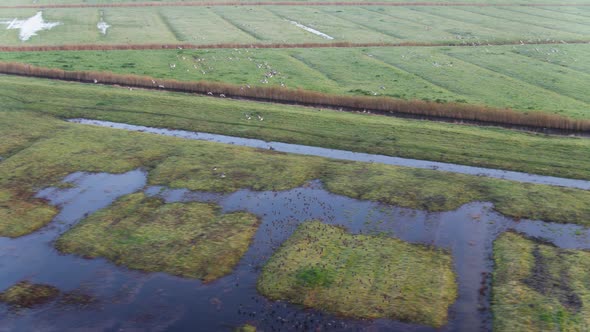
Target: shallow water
156, 301
348, 155
314, 31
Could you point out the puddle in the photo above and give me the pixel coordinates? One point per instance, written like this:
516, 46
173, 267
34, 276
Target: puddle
156, 301
29, 27
314, 31
348, 155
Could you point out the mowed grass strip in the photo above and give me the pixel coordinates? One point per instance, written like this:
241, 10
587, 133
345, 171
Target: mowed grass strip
539, 287
326, 268
192, 240
207, 166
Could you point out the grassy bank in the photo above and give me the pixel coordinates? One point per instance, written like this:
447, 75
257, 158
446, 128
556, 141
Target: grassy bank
200, 165
469, 145
326, 268
192, 240
528, 78
538, 287
391, 106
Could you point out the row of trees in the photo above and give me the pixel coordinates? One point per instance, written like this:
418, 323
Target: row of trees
417, 108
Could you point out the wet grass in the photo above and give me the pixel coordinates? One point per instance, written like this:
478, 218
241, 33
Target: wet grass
27, 295
361, 276
192, 240
539, 287
516, 76
209, 166
469, 145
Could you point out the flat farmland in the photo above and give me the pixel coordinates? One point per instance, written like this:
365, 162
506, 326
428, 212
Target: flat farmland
551, 78
276, 24
286, 166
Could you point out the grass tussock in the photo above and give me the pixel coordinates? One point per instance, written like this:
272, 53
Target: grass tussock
539, 287
192, 240
454, 111
27, 295
361, 276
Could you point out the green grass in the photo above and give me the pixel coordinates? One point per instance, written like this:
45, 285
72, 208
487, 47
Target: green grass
27, 295
198, 165
470, 145
192, 240
539, 287
326, 268
270, 24
527, 78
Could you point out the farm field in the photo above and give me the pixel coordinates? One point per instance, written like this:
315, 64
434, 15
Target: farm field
548, 78
470, 145
275, 24
313, 166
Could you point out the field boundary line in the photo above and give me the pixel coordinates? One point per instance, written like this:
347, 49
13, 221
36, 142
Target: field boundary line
169, 46
290, 3
517, 79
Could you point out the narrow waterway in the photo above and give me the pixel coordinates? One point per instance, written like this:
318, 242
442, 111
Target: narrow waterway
348, 155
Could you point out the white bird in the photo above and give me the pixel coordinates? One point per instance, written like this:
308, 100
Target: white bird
210, 93
161, 86
95, 81
222, 95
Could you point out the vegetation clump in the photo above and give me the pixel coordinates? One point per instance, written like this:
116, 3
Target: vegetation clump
192, 240
27, 295
361, 276
539, 287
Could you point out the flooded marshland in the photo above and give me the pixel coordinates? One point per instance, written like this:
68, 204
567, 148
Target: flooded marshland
133, 299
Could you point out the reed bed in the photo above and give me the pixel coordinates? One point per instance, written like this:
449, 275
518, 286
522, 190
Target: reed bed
123, 47
287, 3
416, 108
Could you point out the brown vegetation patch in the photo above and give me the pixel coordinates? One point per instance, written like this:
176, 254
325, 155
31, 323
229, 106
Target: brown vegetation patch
387, 105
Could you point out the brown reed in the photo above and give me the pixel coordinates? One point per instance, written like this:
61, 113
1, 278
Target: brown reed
419, 108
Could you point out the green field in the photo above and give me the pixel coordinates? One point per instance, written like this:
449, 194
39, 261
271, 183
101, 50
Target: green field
551, 78
470, 145
326, 268
271, 24
539, 287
